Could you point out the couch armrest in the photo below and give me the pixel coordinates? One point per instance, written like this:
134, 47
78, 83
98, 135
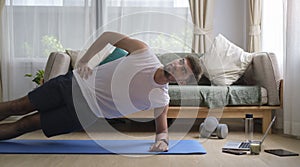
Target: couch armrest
58, 63
264, 71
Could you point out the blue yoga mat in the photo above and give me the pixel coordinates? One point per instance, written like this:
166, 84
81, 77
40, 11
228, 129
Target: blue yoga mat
177, 147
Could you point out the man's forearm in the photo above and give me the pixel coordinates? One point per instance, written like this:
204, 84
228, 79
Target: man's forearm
161, 124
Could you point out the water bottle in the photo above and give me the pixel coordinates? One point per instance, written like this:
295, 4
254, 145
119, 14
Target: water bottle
249, 127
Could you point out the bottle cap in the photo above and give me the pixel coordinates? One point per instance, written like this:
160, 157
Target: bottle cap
249, 115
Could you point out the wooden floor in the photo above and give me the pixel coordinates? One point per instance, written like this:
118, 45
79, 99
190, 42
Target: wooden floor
214, 156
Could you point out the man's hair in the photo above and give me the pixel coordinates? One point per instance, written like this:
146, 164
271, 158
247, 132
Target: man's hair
195, 67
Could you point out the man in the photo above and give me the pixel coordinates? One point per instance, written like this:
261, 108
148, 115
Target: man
147, 83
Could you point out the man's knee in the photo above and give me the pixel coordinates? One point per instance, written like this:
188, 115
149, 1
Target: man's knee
21, 106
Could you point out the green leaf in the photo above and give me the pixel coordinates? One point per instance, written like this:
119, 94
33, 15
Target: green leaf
28, 75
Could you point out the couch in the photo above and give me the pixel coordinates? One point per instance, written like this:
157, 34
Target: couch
257, 91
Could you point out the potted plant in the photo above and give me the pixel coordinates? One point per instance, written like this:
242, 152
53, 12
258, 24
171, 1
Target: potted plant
38, 78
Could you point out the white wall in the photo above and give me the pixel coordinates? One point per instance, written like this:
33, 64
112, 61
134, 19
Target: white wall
231, 17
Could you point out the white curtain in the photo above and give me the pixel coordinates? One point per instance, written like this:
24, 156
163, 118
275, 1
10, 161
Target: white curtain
255, 10
292, 68
32, 29
2, 3
272, 28
165, 25
203, 18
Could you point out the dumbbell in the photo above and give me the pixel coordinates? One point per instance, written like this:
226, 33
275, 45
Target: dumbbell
211, 127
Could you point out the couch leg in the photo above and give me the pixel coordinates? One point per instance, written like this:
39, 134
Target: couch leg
267, 117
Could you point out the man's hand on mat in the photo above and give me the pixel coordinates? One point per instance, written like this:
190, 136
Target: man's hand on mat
83, 70
159, 146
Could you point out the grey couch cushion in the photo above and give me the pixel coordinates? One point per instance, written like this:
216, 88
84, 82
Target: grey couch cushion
215, 96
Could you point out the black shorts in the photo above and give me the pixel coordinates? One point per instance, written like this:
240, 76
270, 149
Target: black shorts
55, 104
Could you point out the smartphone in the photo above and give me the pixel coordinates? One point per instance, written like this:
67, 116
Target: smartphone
281, 152
235, 152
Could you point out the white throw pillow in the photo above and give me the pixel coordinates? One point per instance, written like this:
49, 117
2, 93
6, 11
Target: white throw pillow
224, 63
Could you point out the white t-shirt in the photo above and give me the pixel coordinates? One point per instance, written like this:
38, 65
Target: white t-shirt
124, 86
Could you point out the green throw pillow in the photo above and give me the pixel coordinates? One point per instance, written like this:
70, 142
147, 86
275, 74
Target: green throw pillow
117, 53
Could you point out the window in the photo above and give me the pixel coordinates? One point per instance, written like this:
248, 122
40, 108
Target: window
41, 27
149, 3
163, 24
64, 24
47, 2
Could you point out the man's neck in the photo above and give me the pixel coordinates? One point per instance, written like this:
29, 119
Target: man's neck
159, 77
